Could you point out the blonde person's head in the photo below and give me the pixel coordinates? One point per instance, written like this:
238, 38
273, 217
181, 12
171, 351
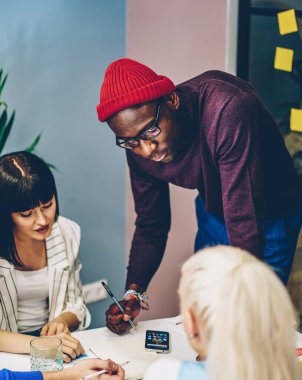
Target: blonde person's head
244, 315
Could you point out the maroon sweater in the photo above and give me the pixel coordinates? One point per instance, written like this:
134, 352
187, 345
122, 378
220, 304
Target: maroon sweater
236, 159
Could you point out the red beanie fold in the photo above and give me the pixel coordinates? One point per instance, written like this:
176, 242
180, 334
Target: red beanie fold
127, 83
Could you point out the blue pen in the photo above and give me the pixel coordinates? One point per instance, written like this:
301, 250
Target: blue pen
116, 302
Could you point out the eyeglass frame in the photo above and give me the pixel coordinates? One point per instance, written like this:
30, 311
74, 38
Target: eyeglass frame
140, 135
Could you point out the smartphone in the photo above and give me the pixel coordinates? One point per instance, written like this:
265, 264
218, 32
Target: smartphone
157, 341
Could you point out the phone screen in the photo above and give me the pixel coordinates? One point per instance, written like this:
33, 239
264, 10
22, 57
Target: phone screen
157, 340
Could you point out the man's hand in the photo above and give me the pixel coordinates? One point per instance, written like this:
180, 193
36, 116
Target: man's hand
116, 321
87, 367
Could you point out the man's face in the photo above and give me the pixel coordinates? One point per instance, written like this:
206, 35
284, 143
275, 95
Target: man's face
132, 122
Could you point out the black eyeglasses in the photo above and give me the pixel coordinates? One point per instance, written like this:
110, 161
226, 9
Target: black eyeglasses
148, 133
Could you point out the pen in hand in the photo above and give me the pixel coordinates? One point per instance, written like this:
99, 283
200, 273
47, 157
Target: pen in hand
101, 372
116, 302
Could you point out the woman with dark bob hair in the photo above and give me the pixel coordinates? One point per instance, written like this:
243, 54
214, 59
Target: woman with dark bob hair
40, 288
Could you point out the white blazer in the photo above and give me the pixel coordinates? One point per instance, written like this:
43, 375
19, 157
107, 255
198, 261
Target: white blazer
65, 290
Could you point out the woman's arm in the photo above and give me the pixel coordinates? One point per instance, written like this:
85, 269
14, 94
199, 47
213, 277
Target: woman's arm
74, 302
6, 374
20, 344
88, 367
81, 369
14, 342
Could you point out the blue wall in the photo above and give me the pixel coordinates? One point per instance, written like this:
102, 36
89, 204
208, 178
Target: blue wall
56, 53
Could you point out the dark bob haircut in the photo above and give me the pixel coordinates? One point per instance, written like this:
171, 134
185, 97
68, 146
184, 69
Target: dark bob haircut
25, 182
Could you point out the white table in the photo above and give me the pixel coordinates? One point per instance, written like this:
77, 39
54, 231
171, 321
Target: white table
121, 348
127, 347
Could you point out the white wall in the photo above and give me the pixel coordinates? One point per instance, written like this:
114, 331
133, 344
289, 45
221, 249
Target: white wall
56, 53
179, 39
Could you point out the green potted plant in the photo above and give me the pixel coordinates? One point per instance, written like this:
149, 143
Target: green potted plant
6, 121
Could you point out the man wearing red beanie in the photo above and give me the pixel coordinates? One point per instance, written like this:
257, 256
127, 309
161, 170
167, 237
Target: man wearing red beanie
211, 133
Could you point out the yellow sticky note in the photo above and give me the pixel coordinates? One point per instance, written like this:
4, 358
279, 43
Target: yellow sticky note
287, 22
296, 120
284, 59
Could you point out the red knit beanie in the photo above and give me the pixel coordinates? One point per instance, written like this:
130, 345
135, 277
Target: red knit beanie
126, 83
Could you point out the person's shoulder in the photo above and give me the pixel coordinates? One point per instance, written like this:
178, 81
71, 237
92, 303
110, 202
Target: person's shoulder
163, 369
215, 81
69, 227
230, 94
5, 264
193, 370
210, 75
65, 222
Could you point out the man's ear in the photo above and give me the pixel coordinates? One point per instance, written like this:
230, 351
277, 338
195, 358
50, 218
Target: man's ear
172, 100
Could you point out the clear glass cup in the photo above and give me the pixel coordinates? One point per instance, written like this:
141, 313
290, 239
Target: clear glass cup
46, 354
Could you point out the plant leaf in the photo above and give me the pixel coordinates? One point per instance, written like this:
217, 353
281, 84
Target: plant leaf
3, 120
51, 166
33, 145
1, 72
6, 131
2, 84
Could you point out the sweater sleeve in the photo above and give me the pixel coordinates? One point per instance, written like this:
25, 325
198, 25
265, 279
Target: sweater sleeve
239, 161
152, 206
5, 374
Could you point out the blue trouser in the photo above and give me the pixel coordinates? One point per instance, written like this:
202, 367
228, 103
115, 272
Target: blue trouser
280, 237
33, 333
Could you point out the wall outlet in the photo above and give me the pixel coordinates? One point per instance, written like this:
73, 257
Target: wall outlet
94, 291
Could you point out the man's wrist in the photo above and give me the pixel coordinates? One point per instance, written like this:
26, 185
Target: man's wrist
136, 287
141, 297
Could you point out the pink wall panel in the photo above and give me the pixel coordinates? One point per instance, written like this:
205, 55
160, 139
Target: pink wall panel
179, 39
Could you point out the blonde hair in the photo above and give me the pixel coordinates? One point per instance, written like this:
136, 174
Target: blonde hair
245, 315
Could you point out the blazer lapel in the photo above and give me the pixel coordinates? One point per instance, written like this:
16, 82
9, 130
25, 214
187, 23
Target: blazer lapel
58, 270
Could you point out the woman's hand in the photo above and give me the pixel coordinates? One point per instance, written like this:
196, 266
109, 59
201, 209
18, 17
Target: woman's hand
71, 347
54, 327
65, 322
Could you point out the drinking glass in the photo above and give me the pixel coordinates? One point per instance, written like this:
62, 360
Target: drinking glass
46, 354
